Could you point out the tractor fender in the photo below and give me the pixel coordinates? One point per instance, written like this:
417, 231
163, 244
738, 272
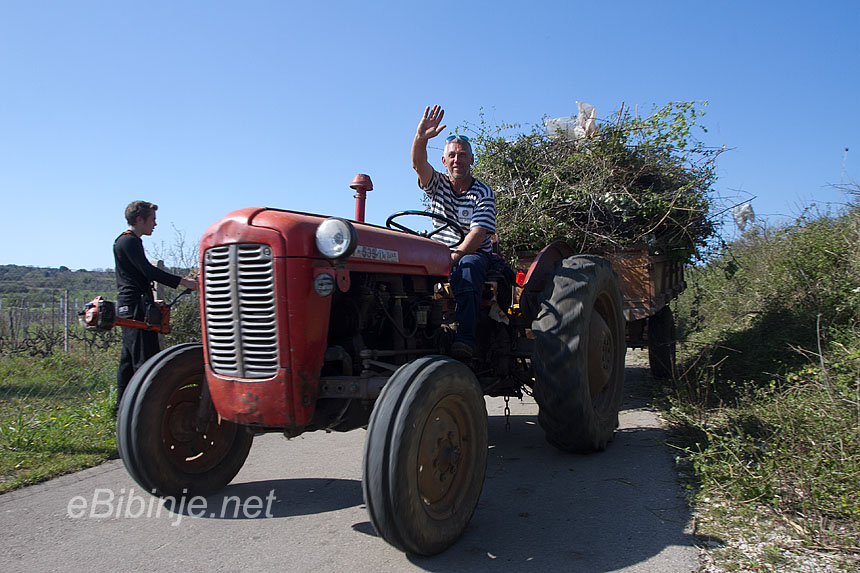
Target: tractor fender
540, 270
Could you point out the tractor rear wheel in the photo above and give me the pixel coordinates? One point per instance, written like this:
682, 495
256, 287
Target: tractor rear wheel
165, 445
425, 455
661, 343
579, 355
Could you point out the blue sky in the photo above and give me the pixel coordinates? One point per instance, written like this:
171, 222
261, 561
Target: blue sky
204, 107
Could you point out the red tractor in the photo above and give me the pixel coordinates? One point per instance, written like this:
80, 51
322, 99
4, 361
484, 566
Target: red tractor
320, 323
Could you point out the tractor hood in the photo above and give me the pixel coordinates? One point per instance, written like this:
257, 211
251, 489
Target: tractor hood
291, 234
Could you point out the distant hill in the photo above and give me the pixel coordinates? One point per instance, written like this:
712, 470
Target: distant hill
32, 287
35, 286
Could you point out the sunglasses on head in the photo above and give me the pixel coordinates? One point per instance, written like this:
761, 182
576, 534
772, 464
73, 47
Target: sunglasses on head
451, 138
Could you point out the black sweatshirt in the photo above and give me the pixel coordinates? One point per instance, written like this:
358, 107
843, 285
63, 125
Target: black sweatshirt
134, 273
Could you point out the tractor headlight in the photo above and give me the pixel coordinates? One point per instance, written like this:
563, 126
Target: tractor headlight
336, 238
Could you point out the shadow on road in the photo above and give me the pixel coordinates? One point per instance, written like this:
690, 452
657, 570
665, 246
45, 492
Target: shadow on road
290, 497
545, 510
541, 509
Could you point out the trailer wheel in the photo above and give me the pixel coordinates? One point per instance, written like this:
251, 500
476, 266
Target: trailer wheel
166, 449
661, 343
579, 355
425, 455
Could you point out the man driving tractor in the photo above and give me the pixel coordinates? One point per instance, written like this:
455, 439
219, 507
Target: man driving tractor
471, 203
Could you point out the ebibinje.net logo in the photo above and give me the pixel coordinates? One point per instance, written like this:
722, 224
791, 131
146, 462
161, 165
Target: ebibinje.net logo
106, 504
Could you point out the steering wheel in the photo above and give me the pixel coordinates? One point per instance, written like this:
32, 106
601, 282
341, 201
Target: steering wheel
448, 224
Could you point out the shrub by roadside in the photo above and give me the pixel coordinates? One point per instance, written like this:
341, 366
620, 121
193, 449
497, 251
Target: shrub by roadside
766, 410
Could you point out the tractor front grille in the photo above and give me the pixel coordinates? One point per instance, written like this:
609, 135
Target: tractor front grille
241, 330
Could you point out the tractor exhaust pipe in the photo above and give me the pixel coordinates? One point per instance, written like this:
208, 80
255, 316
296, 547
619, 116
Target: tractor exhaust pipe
362, 184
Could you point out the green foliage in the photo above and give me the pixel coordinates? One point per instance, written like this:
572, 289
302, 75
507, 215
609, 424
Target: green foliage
771, 292
634, 180
185, 323
768, 408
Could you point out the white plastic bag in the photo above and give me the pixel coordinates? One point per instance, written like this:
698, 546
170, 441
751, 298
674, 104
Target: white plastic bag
743, 215
586, 120
581, 126
560, 127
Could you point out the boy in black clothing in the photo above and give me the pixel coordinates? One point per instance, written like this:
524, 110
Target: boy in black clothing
134, 276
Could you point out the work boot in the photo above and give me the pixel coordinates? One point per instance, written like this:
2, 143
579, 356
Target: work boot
462, 352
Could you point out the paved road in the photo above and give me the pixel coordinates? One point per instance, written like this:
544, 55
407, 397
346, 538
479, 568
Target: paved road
297, 506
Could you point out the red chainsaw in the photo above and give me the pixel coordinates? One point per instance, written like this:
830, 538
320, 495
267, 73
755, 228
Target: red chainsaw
100, 314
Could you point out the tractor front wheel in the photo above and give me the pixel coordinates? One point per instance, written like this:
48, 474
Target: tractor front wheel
425, 455
171, 439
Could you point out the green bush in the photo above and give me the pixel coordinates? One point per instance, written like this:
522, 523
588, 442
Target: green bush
768, 406
770, 294
184, 319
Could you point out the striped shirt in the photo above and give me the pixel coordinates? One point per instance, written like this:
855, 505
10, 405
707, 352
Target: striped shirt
474, 208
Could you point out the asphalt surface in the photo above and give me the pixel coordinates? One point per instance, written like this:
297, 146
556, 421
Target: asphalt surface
297, 506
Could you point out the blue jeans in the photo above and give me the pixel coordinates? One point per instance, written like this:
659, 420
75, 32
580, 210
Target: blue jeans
467, 282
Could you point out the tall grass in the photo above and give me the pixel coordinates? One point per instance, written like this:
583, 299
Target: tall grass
56, 414
767, 406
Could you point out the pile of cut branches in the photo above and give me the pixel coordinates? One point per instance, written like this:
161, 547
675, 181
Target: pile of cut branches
634, 180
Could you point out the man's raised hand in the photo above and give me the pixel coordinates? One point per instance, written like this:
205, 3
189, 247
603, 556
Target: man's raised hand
429, 126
